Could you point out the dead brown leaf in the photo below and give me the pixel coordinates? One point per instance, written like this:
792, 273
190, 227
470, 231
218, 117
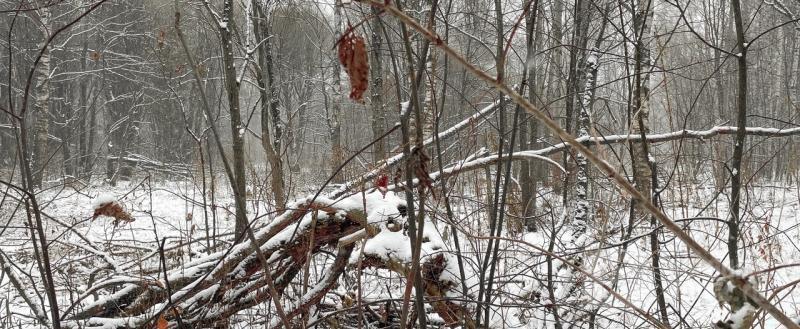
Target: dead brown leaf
113, 209
353, 56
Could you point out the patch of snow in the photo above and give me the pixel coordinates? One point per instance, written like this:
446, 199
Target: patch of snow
102, 200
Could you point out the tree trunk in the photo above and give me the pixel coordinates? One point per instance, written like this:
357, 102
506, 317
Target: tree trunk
738, 150
41, 103
82, 112
644, 175
376, 101
721, 94
334, 127
269, 104
528, 179
237, 130
430, 110
579, 42
640, 116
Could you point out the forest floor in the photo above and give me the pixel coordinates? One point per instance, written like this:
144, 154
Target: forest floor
173, 214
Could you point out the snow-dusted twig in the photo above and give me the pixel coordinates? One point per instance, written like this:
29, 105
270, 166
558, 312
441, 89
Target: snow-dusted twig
21, 289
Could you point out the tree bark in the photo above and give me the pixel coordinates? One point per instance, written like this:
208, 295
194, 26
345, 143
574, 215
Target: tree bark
529, 180
577, 47
644, 175
269, 104
42, 102
376, 100
237, 130
640, 109
334, 126
738, 149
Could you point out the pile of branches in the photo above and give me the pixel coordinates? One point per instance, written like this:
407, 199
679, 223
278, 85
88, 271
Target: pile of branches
361, 231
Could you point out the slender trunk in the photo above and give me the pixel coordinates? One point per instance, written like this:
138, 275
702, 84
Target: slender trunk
91, 135
415, 157
655, 254
38, 230
738, 150
640, 116
572, 287
583, 218
334, 126
237, 130
794, 80
41, 105
502, 172
644, 174
65, 114
721, 94
378, 112
269, 104
430, 110
579, 41
42, 252
718, 166
443, 182
83, 152
528, 180
555, 88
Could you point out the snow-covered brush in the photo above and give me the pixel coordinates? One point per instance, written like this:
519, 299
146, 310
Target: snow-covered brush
109, 206
217, 286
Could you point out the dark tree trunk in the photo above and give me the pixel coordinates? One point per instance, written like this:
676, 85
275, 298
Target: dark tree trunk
738, 149
42, 103
269, 105
376, 100
237, 129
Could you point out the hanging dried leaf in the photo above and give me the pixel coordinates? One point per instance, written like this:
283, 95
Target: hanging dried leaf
353, 56
421, 161
113, 209
94, 55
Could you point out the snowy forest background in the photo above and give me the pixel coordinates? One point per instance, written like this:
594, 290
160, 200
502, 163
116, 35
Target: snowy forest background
399, 164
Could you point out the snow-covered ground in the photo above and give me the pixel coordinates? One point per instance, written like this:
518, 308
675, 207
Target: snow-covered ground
770, 230
84, 250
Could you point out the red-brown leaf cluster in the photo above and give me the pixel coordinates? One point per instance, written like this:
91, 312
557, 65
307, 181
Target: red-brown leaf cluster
162, 322
353, 56
115, 210
382, 184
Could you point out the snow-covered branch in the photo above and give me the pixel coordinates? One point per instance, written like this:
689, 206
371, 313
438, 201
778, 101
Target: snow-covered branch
468, 122
212, 288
